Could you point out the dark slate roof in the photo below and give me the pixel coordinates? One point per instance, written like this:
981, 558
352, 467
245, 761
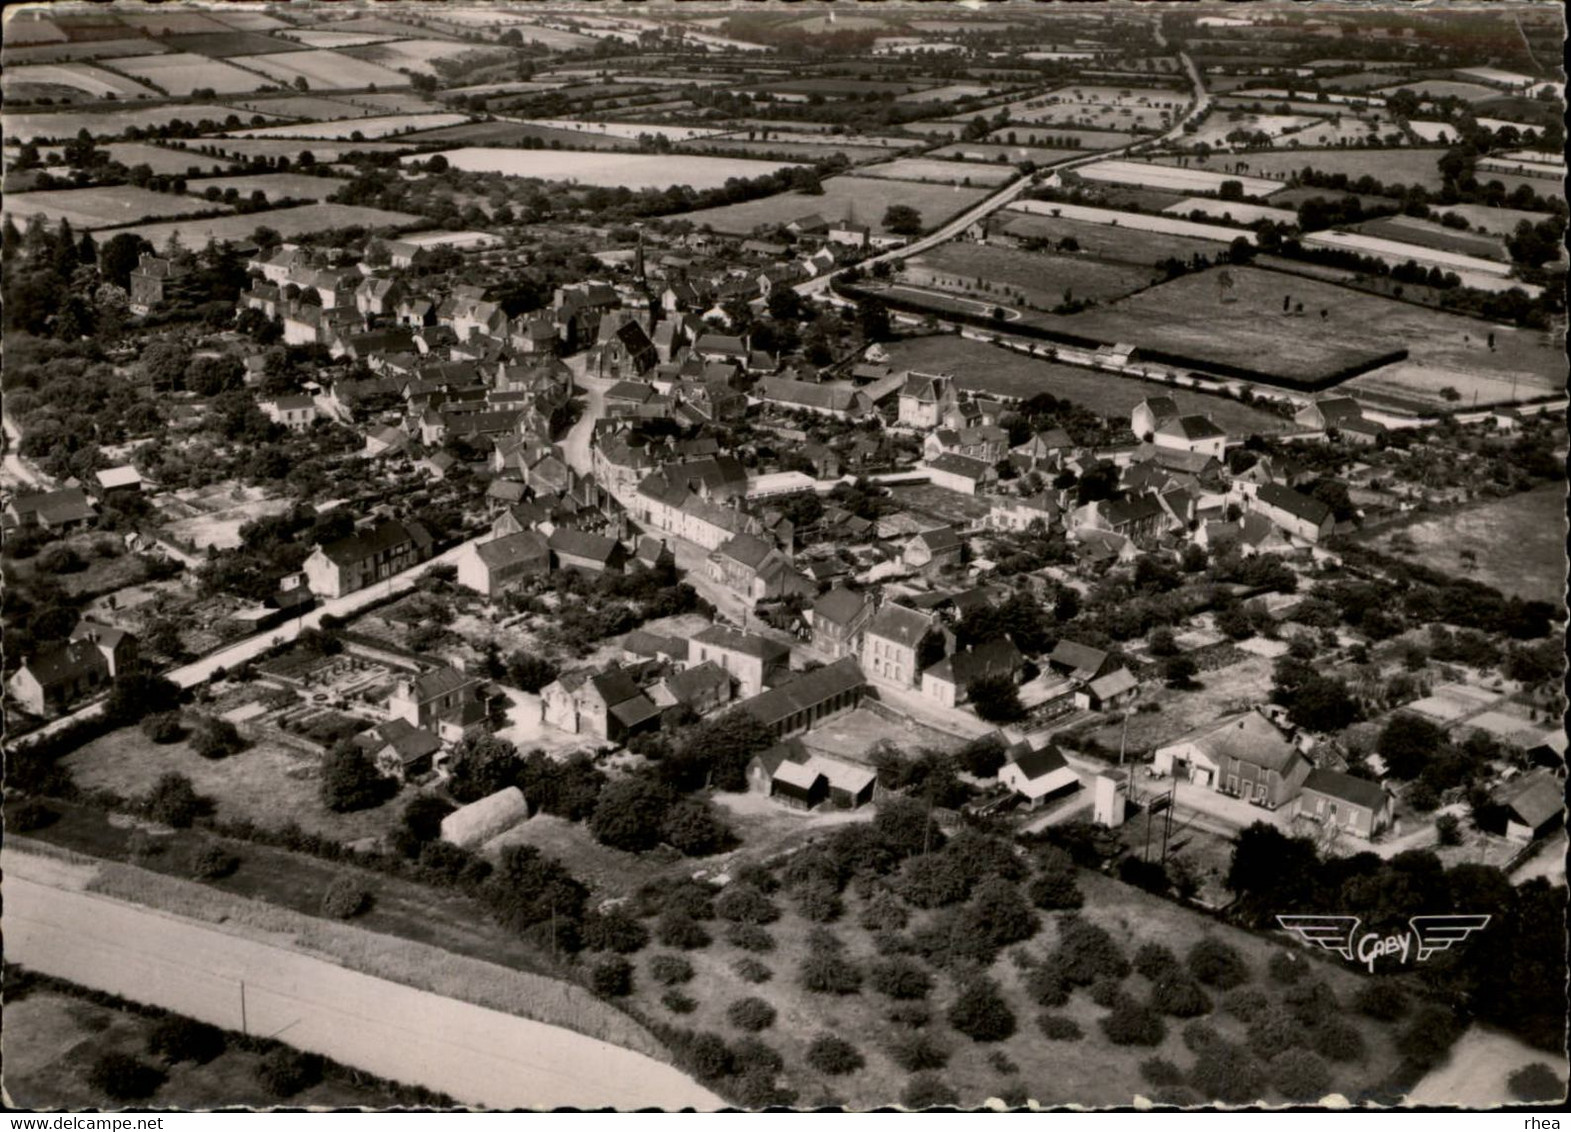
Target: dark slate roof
1295, 503
373, 540
899, 624
526, 546
749, 644
806, 690
839, 606
582, 544
1192, 427
1346, 787
1039, 763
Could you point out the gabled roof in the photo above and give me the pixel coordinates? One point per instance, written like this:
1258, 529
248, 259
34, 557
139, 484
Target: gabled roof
614, 685
1134, 509
66, 663
692, 683
940, 540
374, 540
1162, 408
1249, 737
1535, 799
1338, 411
997, 657
1346, 787
1295, 503
899, 624
441, 682
839, 606
748, 644
960, 466
526, 546
749, 551
806, 691
1191, 427
1035, 763
582, 544
1083, 660
1115, 683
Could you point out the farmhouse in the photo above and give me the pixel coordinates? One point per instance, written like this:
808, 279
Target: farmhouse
1037, 774
608, 705
1192, 433
892, 642
809, 699
494, 566
444, 700
296, 412
399, 749
370, 555
1299, 515
67, 509
1356, 805
752, 660
949, 681
751, 567
1244, 755
802, 780
59, 676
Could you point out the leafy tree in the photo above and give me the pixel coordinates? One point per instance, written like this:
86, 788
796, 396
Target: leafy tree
215, 738
1381, 999
420, 823
136, 695
614, 930
1217, 964
283, 1072
612, 977
1339, 1041
743, 903
982, 757
717, 751
670, 970
1178, 996
750, 970
1408, 743
928, 1090
164, 727
750, 1014
917, 1050
1536, 1084
900, 978
1086, 952
176, 1039
345, 898
693, 828
630, 813
676, 928
905, 826
1133, 1024
1180, 671
1226, 1073
996, 699
933, 881
1001, 914
351, 781
214, 862
481, 765
1054, 886
1300, 1076
980, 1012
824, 972
833, 1055
530, 672
1429, 1035
173, 801
1047, 986
902, 220
527, 887
124, 1077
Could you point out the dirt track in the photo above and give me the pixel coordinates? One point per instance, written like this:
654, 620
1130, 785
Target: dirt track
478, 1056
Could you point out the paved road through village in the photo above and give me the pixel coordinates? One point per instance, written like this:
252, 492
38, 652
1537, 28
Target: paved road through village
475, 1055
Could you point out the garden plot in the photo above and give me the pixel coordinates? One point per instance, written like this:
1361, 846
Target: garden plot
101, 207
182, 73
346, 128
287, 222
391, 102
90, 80
1235, 211
1518, 730
274, 186
1171, 178
632, 170
421, 55
224, 45
954, 92
1452, 702
324, 70
942, 172
1443, 133
1038, 279
628, 130
869, 198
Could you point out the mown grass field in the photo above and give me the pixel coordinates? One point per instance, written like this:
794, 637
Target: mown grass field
1519, 543
1389, 166
868, 198
993, 369
1045, 279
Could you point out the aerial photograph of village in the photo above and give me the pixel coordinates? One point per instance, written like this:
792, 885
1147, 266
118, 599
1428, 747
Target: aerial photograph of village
703, 555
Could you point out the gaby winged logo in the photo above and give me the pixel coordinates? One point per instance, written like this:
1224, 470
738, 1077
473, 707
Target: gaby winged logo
1340, 934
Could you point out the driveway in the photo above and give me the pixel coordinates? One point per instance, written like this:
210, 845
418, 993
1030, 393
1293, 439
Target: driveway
478, 1056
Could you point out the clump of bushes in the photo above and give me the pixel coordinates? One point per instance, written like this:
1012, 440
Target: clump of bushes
1179, 996
345, 898
214, 862
163, 727
750, 937
177, 1039
1134, 1024
677, 1002
833, 1055
1156, 961
283, 1072
1086, 953
1159, 1071
123, 1077
927, 1090
1226, 1073
1300, 1076
1287, 967
980, 1012
1536, 1084
669, 970
1381, 1000
1245, 1003
744, 904
750, 1014
1057, 1028
1047, 987
826, 972
917, 1050
32, 815
751, 970
1339, 1041
1217, 964
900, 978
612, 977
678, 929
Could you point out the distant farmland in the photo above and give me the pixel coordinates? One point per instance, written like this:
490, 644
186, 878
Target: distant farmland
633, 170
287, 222
865, 197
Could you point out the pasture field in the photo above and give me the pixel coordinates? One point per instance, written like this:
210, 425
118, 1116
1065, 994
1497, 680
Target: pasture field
1518, 543
1086, 141
634, 170
1357, 82
477, 133
313, 37
1496, 221
1042, 277
84, 77
381, 126
1186, 317
1236, 211
287, 222
1428, 234
1099, 116
226, 44
53, 125
324, 70
249, 21
172, 21
943, 172
1389, 166
276, 186
868, 197
1440, 133
375, 25
1104, 242
1445, 88
1170, 178
842, 87
160, 159
181, 73
986, 368
1134, 221
100, 207
15, 55
992, 151
953, 92
1419, 386
1347, 131
30, 27
1474, 272
419, 55
807, 137
1214, 130
937, 129
390, 102
305, 106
